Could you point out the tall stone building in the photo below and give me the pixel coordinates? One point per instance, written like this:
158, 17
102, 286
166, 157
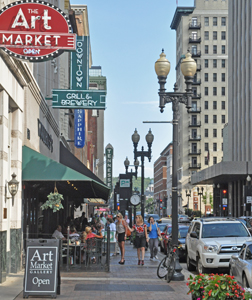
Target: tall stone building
204, 30
234, 173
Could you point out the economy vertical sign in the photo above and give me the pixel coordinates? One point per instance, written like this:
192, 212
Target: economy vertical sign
79, 128
109, 152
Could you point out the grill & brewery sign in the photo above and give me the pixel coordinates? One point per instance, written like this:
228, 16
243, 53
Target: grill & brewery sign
35, 31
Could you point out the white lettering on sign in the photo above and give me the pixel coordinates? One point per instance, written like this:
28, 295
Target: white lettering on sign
28, 39
45, 255
39, 282
79, 72
24, 23
79, 103
78, 96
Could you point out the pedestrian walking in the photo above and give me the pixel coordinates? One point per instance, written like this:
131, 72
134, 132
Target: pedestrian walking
141, 238
121, 230
154, 233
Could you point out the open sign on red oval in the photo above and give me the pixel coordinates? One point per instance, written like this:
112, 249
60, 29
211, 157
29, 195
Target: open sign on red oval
35, 31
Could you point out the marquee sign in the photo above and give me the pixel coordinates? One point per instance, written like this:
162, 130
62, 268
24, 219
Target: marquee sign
35, 30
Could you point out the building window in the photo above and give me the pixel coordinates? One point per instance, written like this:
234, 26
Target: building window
206, 35
214, 21
223, 35
214, 49
223, 49
223, 21
194, 91
214, 146
214, 119
215, 77
206, 104
206, 147
206, 133
206, 49
206, 160
206, 119
214, 160
215, 133
206, 91
206, 21
214, 63
206, 76
215, 35
223, 91
223, 105
214, 104
194, 49
222, 132
223, 119
221, 146
206, 63
223, 63
214, 91
223, 77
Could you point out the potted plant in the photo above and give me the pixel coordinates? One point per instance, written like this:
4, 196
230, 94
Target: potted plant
54, 201
216, 286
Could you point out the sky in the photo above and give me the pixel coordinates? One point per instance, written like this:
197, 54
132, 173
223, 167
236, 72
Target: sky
127, 38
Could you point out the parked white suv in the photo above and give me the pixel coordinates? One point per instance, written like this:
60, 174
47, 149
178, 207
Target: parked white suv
211, 242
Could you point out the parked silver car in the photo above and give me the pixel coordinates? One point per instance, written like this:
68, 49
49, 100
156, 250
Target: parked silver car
183, 219
241, 266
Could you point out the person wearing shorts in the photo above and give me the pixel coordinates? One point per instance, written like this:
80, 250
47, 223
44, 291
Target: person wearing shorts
121, 229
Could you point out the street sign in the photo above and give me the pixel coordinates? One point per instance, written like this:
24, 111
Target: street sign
35, 31
249, 199
124, 183
224, 200
84, 99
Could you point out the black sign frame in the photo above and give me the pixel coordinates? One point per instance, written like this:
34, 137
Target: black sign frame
42, 268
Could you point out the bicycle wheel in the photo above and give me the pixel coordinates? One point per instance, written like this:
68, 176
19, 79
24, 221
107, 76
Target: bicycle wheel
162, 269
171, 268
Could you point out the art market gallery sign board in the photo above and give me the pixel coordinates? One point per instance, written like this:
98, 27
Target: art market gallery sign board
41, 269
35, 31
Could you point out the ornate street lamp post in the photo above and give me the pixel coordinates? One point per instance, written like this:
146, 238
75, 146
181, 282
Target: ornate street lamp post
149, 139
188, 195
200, 193
162, 68
131, 174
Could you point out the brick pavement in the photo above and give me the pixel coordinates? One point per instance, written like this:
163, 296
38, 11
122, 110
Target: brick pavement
129, 281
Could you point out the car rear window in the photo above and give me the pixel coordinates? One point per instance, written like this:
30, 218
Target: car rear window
224, 230
183, 232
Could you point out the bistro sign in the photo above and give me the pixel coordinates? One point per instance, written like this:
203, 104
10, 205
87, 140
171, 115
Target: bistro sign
35, 31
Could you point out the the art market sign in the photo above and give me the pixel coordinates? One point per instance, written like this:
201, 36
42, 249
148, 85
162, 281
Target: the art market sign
35, 30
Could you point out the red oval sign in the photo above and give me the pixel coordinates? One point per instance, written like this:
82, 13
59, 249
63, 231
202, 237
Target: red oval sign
35, 30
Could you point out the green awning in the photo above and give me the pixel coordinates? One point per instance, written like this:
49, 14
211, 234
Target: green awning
39, 168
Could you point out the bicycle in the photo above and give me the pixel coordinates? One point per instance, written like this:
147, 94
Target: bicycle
167, 264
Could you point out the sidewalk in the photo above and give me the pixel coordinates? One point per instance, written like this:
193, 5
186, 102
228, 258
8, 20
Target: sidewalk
129, 281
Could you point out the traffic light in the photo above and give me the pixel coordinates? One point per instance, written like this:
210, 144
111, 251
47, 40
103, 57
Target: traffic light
224, 192
161, 200
118, 207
